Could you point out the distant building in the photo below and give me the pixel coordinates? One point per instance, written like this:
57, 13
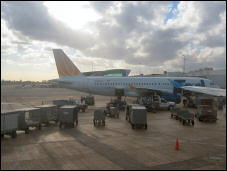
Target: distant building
217, 76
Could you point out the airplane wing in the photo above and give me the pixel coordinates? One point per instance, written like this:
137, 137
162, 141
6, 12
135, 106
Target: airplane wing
149, 91
206, 90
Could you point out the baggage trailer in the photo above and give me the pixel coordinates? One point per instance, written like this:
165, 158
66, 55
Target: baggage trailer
114, 111
128, 109
9, 123
48, 113
60, 103
29, 117
186, 116
89, 99
99, 117
180, 113
138, 116
206, 112
203, 101
174, 111
68, 114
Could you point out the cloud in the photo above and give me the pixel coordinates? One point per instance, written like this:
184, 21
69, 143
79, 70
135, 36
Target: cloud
130, 32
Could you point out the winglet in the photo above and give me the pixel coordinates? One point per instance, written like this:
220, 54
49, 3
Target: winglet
175, 84
131, 87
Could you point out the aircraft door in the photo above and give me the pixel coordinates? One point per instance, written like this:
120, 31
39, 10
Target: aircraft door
119, 92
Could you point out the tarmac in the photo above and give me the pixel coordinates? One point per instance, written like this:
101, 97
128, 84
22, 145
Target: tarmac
115, 146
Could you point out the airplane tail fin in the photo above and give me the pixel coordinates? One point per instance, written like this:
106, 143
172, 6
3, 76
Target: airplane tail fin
65, 66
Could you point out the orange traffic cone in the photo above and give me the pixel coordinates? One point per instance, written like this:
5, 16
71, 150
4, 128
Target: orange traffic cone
42, 102
177, 145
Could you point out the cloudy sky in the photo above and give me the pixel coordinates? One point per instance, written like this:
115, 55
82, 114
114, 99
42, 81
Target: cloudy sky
152, 36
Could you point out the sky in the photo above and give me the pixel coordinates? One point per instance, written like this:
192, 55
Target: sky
149, 37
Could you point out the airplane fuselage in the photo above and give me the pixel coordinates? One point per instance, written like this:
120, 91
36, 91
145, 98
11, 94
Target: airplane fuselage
109, 85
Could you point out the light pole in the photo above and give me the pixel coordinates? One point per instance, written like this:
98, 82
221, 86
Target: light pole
184, 63
139, 68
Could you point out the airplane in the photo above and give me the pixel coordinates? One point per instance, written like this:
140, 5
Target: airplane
19, 86
71, 77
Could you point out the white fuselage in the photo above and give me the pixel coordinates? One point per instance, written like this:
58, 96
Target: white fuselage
108, 85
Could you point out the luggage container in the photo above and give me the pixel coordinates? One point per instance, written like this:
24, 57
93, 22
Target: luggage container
180, 113
48, 113
89, 99
138, 116
9, 123
186, 116
29, 117
128, 109
68, 114
114, 111
206, 112
174, 111
203, 101
60, 103
99, 117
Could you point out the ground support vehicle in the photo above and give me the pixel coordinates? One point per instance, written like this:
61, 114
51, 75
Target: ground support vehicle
81, 106
180, 113
9, 123
29, 117
174, 111
48, 113
128, 109
99, 117
108, 106
68, 114
186, 116
206, 112
154, 102
60, 103
114, 111
203, 101
138, 116
88, 99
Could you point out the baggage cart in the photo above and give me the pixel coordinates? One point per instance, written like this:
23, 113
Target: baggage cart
29, 117
48, 113
206, 112
128, 109
138, 116
60, 103
114, 111
99, 117
180, 113
203, 101
9, 123
89, 99
186, 116
174, 111
68, 114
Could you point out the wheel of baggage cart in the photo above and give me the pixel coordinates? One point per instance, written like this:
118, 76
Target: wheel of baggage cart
192, 122
14, 134
56, 121
180, 119
60, 125
2, 135
40, 126
200, 119
72, 125
94, 122
129, 120
132, 126
183, 122
26, 131
104, 123
176, 117
171, 115
77, 122
145, 126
